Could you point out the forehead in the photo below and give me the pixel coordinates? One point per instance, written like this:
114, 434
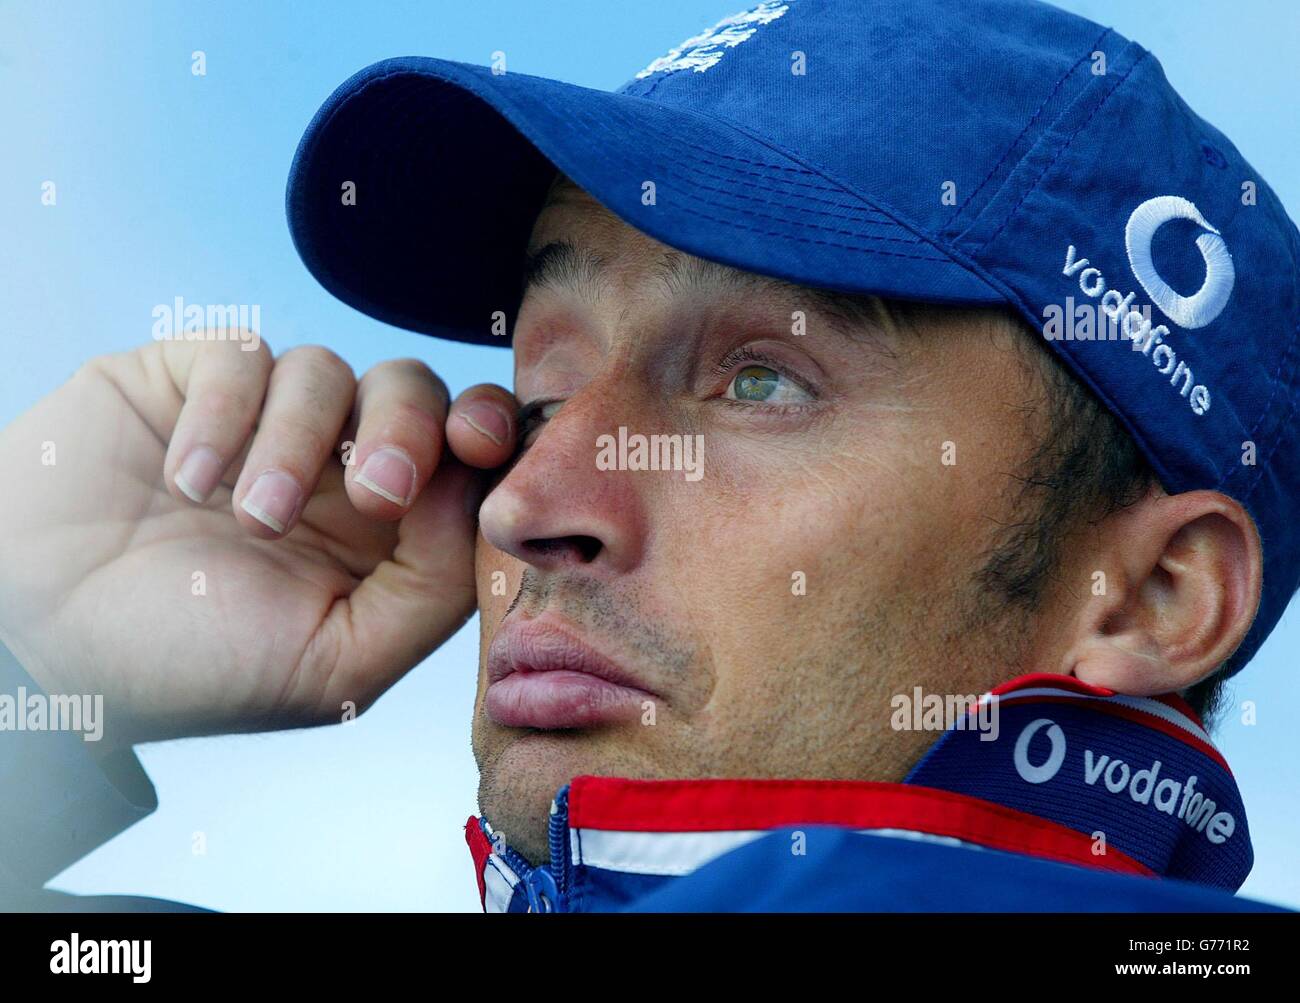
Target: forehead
575, 239
579, 247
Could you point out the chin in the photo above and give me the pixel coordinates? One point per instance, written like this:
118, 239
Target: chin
547, 760
520, 772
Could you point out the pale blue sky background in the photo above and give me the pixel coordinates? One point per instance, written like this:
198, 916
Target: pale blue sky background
171, 185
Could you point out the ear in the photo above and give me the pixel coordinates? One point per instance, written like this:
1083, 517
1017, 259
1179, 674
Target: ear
1182, 583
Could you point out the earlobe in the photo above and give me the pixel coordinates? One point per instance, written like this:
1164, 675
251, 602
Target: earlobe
1185, 586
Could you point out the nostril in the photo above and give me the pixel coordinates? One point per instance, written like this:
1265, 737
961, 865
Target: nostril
579, 549
588, 547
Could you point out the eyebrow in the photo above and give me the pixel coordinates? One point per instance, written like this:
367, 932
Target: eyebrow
565, 267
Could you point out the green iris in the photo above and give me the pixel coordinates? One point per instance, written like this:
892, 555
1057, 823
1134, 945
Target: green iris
756, 383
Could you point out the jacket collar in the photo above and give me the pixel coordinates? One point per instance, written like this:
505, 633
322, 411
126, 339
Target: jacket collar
1046, 767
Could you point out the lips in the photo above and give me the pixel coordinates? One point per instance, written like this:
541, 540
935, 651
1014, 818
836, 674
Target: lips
541, 676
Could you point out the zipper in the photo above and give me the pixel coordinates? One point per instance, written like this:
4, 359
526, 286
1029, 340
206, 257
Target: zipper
558, 833
517, 863
548, 887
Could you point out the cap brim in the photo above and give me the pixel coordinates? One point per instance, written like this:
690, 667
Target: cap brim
415, 187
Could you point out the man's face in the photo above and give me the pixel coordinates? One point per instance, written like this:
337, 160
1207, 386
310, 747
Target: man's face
760, 616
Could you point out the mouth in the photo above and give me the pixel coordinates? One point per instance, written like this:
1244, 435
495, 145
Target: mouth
542, 676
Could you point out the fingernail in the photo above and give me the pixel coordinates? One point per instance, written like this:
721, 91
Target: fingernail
273, 499
389, 473
487, 419
199, 473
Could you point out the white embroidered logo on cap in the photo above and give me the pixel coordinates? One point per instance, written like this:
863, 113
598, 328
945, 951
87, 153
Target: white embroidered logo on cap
702, 51
1207, 302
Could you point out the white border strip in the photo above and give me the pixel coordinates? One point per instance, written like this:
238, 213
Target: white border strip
1153, 707
921, 837
670, 854
674, 854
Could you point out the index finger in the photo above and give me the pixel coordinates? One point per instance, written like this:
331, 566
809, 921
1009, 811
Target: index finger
482, 426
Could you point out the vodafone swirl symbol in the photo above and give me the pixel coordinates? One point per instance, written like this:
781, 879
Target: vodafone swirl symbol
1207, 302
1047, 769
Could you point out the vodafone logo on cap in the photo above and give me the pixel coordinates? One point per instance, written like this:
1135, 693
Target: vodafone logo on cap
1203, 306
1191, 312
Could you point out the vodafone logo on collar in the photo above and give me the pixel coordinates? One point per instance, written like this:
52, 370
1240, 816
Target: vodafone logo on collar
1203, 306
1176, 798
1051, 766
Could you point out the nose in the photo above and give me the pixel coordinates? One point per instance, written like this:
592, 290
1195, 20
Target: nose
555, 510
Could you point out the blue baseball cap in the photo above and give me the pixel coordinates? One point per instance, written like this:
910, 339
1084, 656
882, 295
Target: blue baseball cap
982, 152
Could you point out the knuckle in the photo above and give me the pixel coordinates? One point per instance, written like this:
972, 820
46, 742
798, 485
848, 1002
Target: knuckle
223, 406
425, 427
404, 367
300, 434
261, 356
95, 367
322, 361
415, 370
214, 343
111, 367
444, 395
487, 390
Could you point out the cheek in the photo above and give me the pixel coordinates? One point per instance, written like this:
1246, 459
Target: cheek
794, 526
496, 578
780, 566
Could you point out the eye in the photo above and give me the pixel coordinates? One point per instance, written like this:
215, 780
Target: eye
763, 385
755, 383
533, 416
